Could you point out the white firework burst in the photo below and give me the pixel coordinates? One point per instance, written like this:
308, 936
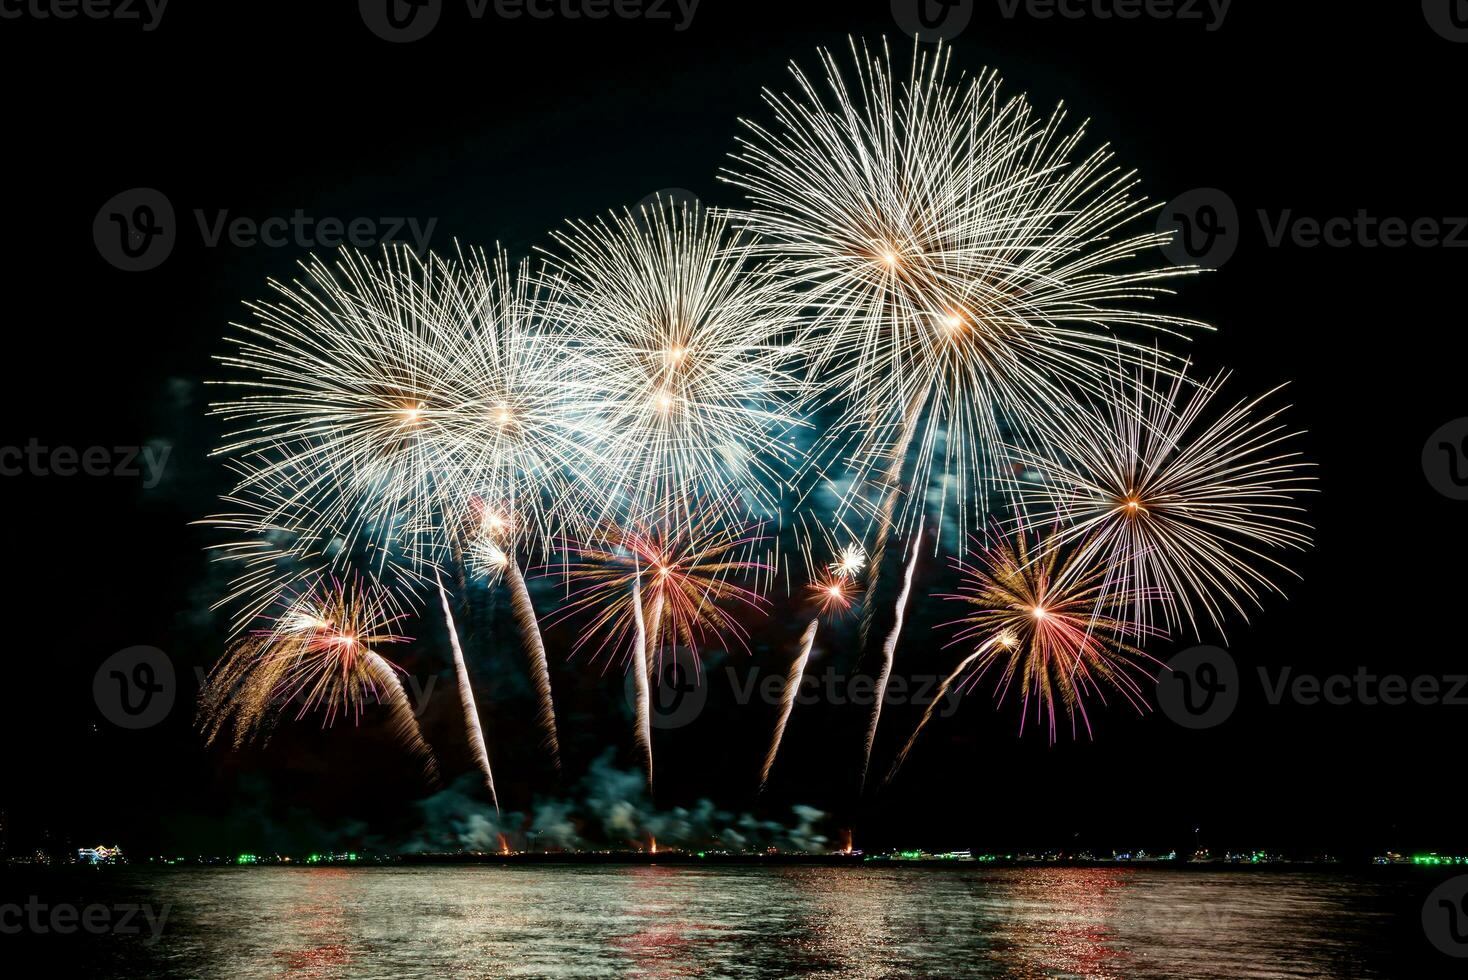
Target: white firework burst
962, 261
686, 343
1185, 507
523, 440
345, 399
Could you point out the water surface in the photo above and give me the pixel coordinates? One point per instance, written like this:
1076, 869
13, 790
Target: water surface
702, 921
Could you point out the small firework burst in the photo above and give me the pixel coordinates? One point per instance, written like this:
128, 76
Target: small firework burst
321, 654
685, 575
849, 563
1042, 619
832, 594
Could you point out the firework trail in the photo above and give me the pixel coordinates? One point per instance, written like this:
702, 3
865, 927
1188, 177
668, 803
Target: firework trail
466, 699
390, 693
535, 647
643, 682
983, 650
833, 595
318, 652
491, 559
889, 653
892, 480
787, 702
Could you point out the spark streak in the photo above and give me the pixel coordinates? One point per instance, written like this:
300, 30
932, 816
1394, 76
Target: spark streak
889, 652
466, 700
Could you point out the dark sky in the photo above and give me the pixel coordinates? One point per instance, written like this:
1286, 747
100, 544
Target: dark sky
499, 129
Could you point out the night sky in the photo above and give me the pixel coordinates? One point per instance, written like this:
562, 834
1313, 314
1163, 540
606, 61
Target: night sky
498, 130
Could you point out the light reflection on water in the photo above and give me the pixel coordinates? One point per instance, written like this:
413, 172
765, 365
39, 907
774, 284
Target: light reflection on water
682, 921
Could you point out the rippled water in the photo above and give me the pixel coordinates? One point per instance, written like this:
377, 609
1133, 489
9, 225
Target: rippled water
680, 921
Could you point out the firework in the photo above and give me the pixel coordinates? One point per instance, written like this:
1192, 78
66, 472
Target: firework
524, 436
493, 553
685, 341
889, 654
642, 681
346, 386
320, 653
1043, 619
466, 700
832, 594
1180, 508
686, 575
959, 256
385, 402
650, 589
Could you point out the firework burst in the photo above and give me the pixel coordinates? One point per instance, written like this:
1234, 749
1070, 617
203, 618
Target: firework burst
1042, 619
319, 653
960, 257
345, 394
688, 577
1181, 509
685, 341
